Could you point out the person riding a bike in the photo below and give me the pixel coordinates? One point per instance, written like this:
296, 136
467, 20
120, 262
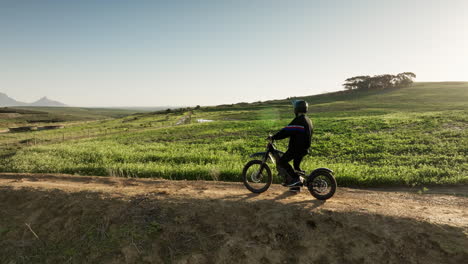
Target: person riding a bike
257, 176
299, 132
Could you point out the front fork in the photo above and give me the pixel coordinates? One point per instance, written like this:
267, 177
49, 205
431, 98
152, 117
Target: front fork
268, 155
264, 161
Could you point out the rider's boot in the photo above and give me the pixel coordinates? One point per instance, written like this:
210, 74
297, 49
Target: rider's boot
291, 180
296, 189
287, 180
296, 182
286, 177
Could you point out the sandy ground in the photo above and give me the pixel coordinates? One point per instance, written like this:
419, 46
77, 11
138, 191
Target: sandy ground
219, 222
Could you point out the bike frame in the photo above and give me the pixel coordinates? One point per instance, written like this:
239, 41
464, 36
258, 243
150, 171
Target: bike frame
273, 154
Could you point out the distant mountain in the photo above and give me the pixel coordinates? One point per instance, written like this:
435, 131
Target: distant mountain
5, 100
44, 101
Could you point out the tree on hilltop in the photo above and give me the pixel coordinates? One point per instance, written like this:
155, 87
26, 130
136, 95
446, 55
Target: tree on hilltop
357, 82
405, 78
379, 82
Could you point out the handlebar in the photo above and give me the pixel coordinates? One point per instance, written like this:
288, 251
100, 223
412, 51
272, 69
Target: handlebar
269, 138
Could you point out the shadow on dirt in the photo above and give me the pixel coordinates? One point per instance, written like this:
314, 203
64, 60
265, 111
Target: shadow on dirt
39, 226
455, 190
242, 196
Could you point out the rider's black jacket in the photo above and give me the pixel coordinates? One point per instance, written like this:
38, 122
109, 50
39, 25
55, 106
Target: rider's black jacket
299, 132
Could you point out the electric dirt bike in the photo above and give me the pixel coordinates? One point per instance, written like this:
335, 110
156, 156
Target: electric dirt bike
257, 175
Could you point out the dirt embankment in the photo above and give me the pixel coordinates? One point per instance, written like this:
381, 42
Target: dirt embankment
78, 219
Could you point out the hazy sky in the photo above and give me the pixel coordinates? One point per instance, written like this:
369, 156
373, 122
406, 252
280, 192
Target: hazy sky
150, 53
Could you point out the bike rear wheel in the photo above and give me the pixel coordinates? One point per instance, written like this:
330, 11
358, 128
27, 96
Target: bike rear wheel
322, 185
256, 176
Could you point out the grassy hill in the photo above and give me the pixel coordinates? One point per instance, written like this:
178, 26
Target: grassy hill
410, 136
421, 97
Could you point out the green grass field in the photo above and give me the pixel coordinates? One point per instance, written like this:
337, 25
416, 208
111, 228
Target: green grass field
26, 116
410, 136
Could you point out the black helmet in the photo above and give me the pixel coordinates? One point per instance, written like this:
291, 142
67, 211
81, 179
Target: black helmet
300, 106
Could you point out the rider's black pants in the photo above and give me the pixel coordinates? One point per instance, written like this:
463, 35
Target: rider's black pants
287, 157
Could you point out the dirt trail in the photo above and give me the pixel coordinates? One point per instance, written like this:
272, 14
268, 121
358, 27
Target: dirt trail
118, 220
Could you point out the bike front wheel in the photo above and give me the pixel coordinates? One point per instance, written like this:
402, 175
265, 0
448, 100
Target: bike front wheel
256, 176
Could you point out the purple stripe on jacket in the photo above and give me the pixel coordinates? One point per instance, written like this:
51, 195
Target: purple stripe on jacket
294, 128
